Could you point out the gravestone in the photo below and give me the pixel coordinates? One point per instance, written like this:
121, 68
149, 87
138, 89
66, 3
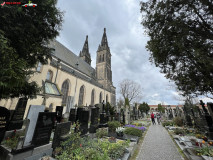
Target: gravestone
94, 120
16, 121
32, 116
210, 108
84, 120
79, 113
59, 112
4, 118
44, 126
72, 116
61, 133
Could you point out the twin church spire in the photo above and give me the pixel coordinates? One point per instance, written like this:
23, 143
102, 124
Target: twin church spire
85, 55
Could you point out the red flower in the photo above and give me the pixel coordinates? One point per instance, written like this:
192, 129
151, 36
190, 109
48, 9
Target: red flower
80, 145
15, 131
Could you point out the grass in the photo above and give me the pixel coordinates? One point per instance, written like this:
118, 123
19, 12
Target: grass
138, 147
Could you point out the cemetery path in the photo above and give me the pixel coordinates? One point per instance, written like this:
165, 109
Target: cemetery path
158, 145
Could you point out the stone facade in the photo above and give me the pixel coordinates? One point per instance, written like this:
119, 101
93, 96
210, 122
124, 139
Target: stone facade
72, 74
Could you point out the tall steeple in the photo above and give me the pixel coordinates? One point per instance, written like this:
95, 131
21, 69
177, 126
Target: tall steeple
104, 42
84, 54
103, 63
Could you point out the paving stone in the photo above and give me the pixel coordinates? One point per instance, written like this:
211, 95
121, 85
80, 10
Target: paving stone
158, 144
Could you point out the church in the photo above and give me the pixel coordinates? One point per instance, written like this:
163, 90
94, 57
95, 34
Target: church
69, 80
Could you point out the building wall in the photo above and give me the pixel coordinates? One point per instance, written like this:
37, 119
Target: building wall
55, 100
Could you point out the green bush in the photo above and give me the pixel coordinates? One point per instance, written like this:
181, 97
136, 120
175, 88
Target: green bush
179, 131
133, 131
101, 132
167, 123
113, 125
178, 121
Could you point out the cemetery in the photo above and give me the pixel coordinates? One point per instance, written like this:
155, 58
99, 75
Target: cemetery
90, 132
191, 130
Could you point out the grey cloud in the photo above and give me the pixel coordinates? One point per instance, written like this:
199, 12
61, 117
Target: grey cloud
130, 58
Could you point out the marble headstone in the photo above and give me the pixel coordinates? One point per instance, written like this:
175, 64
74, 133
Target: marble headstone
32, 116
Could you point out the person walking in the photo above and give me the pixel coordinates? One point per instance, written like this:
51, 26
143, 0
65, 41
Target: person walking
158, 118
153, 118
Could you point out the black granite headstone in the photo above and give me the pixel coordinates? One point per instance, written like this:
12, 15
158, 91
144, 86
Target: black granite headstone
16, 121
62, 129
72, 115
59, 112
4, 118
44, 126
84, 120
79, 113
94, 120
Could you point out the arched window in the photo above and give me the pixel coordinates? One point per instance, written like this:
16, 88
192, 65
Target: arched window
92, 97
64, 90
100, 58
49, 76
103, 58
39, 67
51, 107
106, 98
81, 96
100, 98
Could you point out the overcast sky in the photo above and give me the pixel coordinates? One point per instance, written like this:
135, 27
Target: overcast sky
126, 40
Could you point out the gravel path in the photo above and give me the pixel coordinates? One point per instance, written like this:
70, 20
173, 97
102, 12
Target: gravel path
158, 145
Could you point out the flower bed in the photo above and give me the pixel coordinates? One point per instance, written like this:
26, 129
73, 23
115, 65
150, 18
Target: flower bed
86, 148
133, 126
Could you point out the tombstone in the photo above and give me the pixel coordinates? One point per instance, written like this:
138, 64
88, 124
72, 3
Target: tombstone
208, 120
43, 128
79, 113
94, 120
72, 116
210, 108
16, 120
4, 119
61, 133
59, 112
84, 120
32, 116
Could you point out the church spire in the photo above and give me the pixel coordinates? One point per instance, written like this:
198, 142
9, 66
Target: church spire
84, 54
104, 42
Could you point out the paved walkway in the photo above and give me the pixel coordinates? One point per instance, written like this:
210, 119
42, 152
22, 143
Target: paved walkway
158, 145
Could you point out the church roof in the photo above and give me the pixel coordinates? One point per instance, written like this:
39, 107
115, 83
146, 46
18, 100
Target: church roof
70, 58
85, 50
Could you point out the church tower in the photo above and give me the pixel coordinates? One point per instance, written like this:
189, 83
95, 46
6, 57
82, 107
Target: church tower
84, 54
103, 63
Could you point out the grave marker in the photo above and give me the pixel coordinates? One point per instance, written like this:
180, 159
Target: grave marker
32, 116
61, 132
4, 118
43, 128
16, 121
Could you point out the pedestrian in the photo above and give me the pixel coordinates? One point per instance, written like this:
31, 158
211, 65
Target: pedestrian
153, 118
158, 118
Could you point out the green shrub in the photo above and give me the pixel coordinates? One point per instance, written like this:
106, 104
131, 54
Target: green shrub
167, 123
179, 131
101, 132
178, 121
133, 131
113, 125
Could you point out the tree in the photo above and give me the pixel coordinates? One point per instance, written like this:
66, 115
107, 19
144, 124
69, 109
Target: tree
130, 89
24, 35
161, 108
181, 42
144, 107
